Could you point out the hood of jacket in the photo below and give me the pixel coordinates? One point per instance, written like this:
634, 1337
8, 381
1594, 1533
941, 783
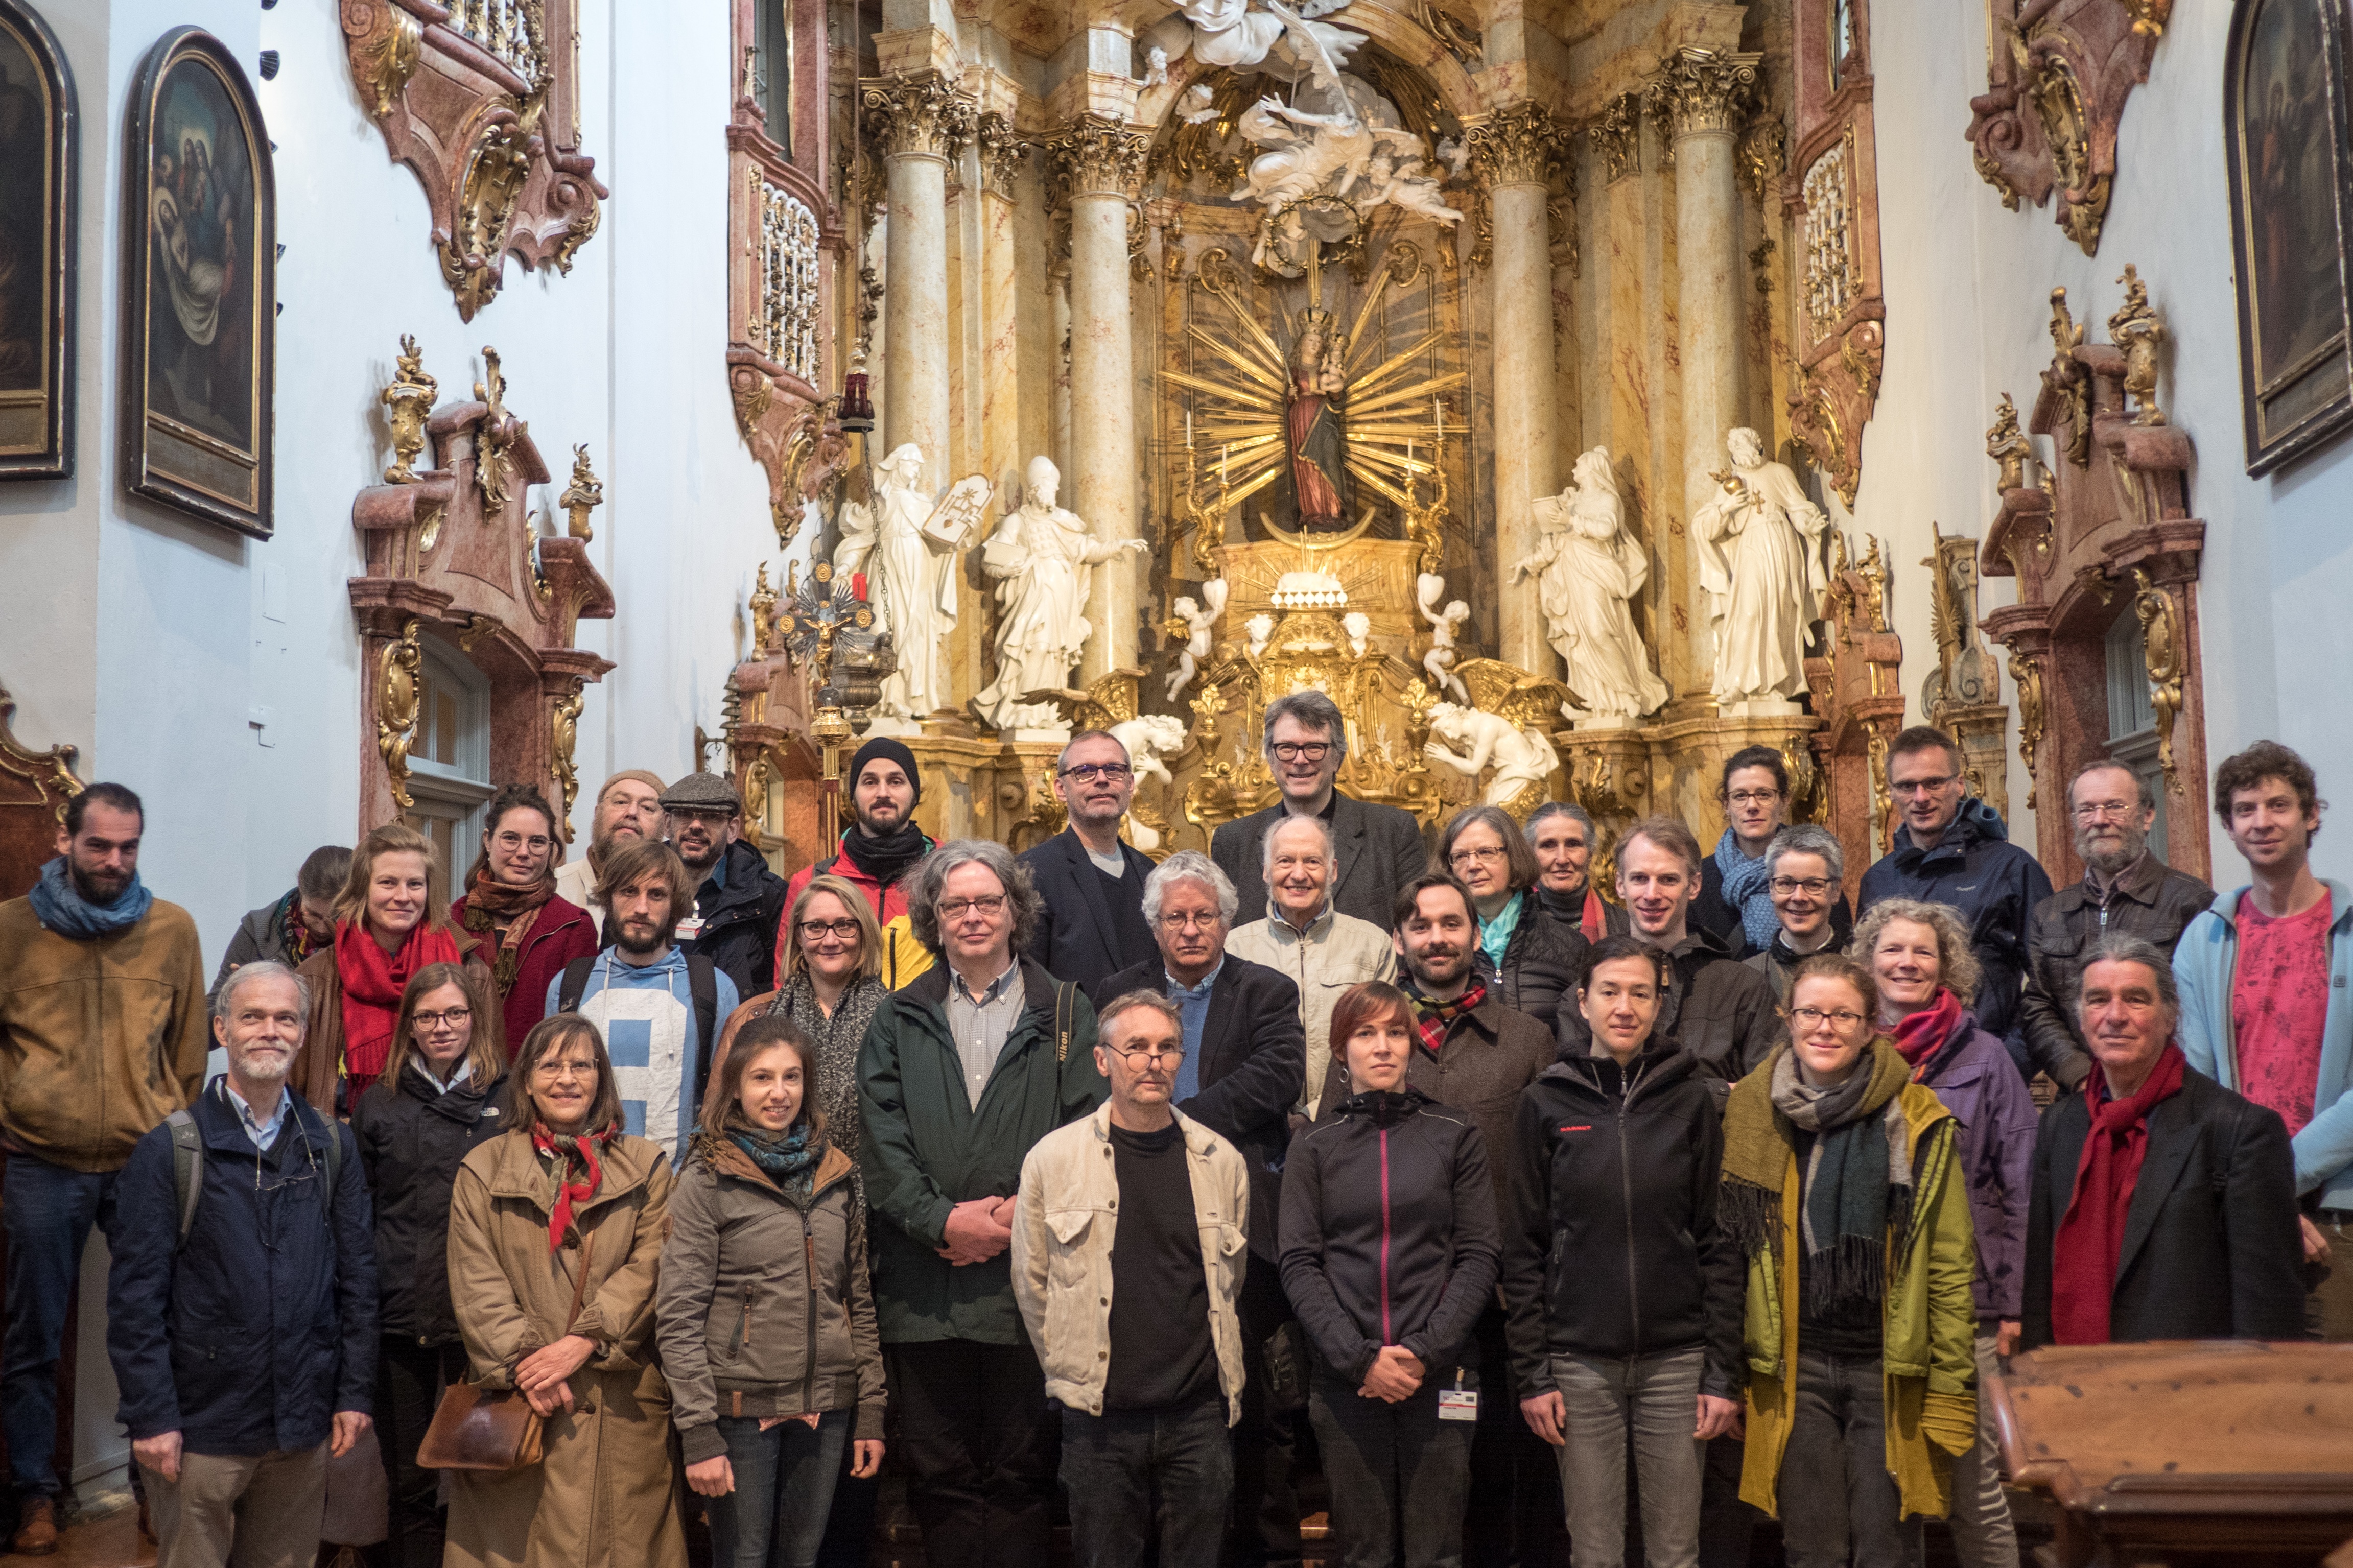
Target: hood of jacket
1976, 823
746, 881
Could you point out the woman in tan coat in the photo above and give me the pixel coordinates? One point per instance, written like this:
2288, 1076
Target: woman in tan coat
562, 1190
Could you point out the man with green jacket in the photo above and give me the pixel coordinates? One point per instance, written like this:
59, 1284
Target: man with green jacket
962, 1072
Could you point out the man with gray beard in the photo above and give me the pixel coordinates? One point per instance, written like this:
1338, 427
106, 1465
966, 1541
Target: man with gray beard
2126, 889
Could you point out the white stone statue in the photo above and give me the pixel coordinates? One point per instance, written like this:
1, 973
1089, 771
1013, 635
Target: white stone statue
1590, 567
1521, 755
1760, 543
1404, 179
1196, 103
1259, 629
1439, 662
1273, 39
1359, 627
1199, 620
1038, 558
1150, 739
907, 546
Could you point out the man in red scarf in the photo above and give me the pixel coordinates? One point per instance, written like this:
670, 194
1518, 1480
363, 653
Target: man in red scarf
2163, 1204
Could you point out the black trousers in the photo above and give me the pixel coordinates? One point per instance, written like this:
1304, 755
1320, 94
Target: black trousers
981, 1446
1513, 1517
1264, 1532
409, 1378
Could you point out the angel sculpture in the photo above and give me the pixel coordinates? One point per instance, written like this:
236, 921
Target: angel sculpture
1149, 738
1283, 43
1195, 621
1403, 181
1359, 627
907, 545
1444, 623
1455, 155
1504, 730
1156, 67
1196, 103
1260, 631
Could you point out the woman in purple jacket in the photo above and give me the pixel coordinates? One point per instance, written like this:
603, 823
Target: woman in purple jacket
1919, 954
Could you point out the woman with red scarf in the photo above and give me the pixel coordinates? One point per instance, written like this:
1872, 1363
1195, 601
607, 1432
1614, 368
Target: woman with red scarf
1920, 955
390, 922
511, 905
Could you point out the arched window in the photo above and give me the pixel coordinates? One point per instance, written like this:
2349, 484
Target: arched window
2132, 720
449, 762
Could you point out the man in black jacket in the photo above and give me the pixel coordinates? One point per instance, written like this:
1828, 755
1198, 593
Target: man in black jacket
2199, 1239
243, 1334
1092, 879
1377, 846
1245, 1056
2125, 888
738, 901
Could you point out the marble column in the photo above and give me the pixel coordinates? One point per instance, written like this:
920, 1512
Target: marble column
1001, 153
921, 123
1517, 150
1704, 98
1096, 161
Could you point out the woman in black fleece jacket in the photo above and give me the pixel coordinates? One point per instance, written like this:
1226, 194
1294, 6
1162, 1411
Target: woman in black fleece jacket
1388, 1254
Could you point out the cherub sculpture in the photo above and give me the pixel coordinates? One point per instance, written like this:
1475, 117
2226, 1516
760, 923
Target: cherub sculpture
1273, 39
1444, 623
1359, 627
1196, 103
1149, 738
1260, 631
1503, 726
1196, 623
1402, 180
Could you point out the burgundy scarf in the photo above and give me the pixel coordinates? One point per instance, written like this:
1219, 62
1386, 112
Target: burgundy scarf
1925, 1033
371, 982
577, 1176
493, 906
2092, 1235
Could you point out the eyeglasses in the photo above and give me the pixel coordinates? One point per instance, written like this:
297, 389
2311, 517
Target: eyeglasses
455, 1017
1495, 857
817, 931
556, 1072
1195, 920
1812, 886
1087, 772
1921, 786
1297, 750
2103, 810
536, 843
989, 904
1845, 1018
1753, 797
707, 818
1142, 1056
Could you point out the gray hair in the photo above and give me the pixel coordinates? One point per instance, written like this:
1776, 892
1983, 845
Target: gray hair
1266, 842
924, 884
2116, 947
1312, 709
1063, 755
2143, 797
1958, 969
245, 975
1128, 1001
1806, 839
1577, 814
1190, 866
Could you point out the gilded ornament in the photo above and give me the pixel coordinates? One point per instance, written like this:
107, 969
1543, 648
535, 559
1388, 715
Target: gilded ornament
918, 116
1617, 133
563, 721
2084, 191
407, 401
2149, 17
2071, 378
2136, 329
763, 613
1702, 92
1518, 146
399, 673
478, 627
2161, 638
751, 394
1882, 813
578, 232
473, 258
386, 57
1466, 43
2006, 444
1763, 153
2026, 673
584, 496
493, 439
1096, 155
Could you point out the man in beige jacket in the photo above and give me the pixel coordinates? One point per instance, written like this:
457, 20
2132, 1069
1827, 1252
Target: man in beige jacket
1129, 1241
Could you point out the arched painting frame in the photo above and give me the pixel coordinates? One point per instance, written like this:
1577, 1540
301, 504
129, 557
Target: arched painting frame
40, 135
200, 295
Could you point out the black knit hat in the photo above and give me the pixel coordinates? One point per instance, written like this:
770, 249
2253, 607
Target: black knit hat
887, 750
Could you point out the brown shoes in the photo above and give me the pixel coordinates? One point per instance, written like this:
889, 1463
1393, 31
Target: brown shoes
36, 1529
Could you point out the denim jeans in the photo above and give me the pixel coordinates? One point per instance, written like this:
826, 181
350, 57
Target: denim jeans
1397, 1473
1656, 1400
48, 1212
1135, 1477
783, 1488
1984, 1534
1839, 1503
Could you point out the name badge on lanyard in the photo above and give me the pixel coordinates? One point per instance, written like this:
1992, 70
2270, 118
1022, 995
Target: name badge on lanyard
1457, 1403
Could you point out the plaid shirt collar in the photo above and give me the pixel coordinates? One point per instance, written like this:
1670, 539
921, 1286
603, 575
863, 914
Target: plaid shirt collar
1433, 1019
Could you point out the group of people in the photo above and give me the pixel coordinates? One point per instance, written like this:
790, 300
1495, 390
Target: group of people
1124, 1189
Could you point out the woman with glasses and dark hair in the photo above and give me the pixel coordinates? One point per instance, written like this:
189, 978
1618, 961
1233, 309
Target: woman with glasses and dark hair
1389, 1256
1734, 900
529, 932
1845, 1193
555, 1233
436, 1101
1530, 961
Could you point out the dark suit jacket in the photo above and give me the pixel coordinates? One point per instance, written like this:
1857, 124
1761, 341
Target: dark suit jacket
1254, 1062
2211, 1248
1378, 850
1078, 941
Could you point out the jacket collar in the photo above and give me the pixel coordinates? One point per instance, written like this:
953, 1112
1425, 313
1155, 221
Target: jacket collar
931, 987
223, 1128
1658, 1066
516, 1170
1199, 1142
745, 871
1316, 930
1976, 823
725, 1157
2340, 907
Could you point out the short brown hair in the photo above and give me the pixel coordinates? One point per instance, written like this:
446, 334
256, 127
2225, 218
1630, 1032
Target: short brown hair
2266, 759
514, 797
633, 861
1669, 834
1128, 1001
869, 933
1926, 738
757, 1035
486, 1053
1410, 896
1764, 757
394, 839
1839, 966
551, 1034
1519, 860
1371, 1000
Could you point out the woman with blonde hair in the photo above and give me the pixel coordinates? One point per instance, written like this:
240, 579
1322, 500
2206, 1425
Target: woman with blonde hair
766, 1316
392, 919
555, 1235
1919, 954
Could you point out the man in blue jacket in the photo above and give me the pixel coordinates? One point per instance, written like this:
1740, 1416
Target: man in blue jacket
1952, 849
241, 1306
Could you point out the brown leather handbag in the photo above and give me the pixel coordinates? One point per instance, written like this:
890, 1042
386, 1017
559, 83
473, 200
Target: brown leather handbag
479, 1428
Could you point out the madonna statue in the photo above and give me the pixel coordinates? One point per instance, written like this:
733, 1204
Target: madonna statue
1317, 434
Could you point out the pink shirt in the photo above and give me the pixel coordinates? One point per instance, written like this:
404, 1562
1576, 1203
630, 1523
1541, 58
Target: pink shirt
2279, 1006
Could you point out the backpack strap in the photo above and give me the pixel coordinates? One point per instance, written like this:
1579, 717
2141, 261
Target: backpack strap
703, 985
187, 1168
575, 984
1062, 995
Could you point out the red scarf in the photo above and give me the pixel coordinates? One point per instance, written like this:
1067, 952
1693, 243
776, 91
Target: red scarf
571, 1154
372, 980
2083, 1253
1595, 922
1923, 1034
1433, 1017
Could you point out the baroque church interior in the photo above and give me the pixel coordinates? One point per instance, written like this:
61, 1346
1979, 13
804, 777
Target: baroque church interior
402, 398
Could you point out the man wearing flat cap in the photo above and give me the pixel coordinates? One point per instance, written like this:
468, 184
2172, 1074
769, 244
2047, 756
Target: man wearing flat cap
880, 846
738, 901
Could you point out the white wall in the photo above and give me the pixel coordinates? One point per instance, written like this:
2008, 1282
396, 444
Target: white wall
1967, 284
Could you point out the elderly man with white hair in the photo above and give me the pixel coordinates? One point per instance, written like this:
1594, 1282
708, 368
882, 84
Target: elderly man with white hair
1244, 1064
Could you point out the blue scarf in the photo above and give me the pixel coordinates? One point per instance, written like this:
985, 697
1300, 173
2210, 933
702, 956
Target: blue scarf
1745, 890
788, 1159
60, 907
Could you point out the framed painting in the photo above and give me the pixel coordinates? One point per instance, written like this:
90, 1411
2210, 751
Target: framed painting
200, 287
39, 137
2284, 119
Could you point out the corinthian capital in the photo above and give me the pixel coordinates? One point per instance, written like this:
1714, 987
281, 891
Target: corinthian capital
1518, 146
917, 116
1702, 92
1001, 150
1095, 155
1617, 133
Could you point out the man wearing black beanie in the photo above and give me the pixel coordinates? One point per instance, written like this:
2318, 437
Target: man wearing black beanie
881, 841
